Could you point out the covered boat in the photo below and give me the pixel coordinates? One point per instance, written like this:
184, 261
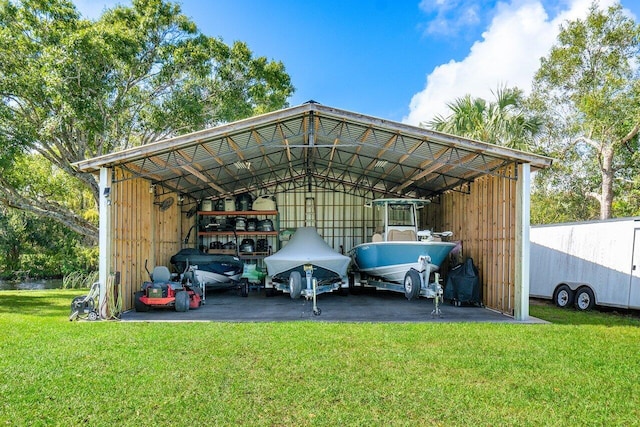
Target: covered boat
306, 255
210, 270
399, 257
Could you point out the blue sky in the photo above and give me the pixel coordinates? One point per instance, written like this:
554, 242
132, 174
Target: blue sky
395, 59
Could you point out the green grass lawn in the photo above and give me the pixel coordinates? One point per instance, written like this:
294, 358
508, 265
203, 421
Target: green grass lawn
582, 370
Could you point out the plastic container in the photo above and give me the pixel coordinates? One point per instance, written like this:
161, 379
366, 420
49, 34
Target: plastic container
264, 203
229, 204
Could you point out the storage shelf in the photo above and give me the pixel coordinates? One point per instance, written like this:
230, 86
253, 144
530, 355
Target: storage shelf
206, 238
243, 255
236, 213
238, 233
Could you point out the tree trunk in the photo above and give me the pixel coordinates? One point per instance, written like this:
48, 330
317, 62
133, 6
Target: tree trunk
607, 182
48, 209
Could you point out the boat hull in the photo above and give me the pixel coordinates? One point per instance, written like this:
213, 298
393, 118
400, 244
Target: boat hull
390, 261
212, 270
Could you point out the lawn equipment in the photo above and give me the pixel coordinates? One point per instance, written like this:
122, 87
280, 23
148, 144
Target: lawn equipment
86, 306
161, 291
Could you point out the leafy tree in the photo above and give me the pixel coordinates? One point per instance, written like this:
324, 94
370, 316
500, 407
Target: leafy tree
72, 89
35, 244
503, 121
589, 91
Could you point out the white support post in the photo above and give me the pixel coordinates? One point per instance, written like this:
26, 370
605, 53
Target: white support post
523, 215
104, 261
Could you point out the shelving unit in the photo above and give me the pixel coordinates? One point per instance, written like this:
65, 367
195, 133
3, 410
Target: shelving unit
206, 237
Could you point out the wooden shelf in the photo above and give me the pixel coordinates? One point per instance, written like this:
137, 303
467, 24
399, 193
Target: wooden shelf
237, 233
206, 237
236, 213
244, 255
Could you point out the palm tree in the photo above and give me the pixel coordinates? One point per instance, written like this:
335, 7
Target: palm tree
503, 122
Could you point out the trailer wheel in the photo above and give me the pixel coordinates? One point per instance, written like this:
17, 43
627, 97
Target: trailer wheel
563, 296
353, 289
182, 301
139, 305
412, 284
244, 288
585, 300
295, 284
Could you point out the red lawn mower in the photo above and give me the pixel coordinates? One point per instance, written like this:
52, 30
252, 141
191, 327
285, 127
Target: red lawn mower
161, 291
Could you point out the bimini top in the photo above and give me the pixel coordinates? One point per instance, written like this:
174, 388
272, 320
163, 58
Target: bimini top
381, 202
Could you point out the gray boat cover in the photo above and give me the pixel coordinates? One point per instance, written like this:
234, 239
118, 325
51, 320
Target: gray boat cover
307, 247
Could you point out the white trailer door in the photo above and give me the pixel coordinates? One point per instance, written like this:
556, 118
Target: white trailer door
634, 289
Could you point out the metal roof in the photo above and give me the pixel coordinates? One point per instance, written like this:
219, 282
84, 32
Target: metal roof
314, 145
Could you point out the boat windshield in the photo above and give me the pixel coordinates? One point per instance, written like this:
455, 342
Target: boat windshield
401, 215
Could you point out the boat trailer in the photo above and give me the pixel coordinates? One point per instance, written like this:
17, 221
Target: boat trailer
415, 284
312, 288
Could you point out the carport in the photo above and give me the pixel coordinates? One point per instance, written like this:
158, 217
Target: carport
322, 164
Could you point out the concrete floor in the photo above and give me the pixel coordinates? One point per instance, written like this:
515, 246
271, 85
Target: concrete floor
371, 306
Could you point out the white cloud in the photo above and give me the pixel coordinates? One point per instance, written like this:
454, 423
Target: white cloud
508, 54
449, 17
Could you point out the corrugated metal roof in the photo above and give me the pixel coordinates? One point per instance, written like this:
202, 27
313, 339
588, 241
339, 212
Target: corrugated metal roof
331, 148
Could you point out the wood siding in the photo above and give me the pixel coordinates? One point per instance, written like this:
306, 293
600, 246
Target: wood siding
141, 231
484, 219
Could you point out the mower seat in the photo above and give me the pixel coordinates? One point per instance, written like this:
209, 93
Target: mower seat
160, 274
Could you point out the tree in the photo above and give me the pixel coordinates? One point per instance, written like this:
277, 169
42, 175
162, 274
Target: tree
503, 121
73, 89
589, 90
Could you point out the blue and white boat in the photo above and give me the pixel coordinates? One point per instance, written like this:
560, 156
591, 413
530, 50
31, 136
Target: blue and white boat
399, 257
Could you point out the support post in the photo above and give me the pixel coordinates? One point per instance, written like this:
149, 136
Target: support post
104, 261
523, 215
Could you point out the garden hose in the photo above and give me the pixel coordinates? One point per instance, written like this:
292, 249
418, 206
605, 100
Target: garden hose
113, 299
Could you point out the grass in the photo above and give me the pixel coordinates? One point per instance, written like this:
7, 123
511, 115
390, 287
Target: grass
573, 372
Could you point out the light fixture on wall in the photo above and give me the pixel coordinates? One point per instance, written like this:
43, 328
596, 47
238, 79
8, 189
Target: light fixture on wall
107, 195
152, 188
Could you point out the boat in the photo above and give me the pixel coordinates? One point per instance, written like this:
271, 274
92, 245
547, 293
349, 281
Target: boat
400, 257
307, 256
213, 271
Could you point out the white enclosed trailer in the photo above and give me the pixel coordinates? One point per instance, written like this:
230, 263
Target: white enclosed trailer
587, 263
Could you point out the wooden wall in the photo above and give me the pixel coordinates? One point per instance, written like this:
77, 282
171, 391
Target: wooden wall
140, 231
484, 219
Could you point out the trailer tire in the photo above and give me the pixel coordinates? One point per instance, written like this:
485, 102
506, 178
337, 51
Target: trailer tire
295, 284
182, 301
243, 287
412, 284
585, 299
563, 296
139, 305
353, 289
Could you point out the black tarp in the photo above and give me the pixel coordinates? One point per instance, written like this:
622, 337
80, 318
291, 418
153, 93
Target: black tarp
463, 284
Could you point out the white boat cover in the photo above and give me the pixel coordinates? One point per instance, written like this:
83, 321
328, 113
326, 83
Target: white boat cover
307, 247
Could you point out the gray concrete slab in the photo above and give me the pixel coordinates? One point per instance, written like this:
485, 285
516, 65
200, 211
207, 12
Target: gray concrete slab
374, 306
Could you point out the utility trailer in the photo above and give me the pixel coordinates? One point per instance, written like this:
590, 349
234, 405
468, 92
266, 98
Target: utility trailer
587, 263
